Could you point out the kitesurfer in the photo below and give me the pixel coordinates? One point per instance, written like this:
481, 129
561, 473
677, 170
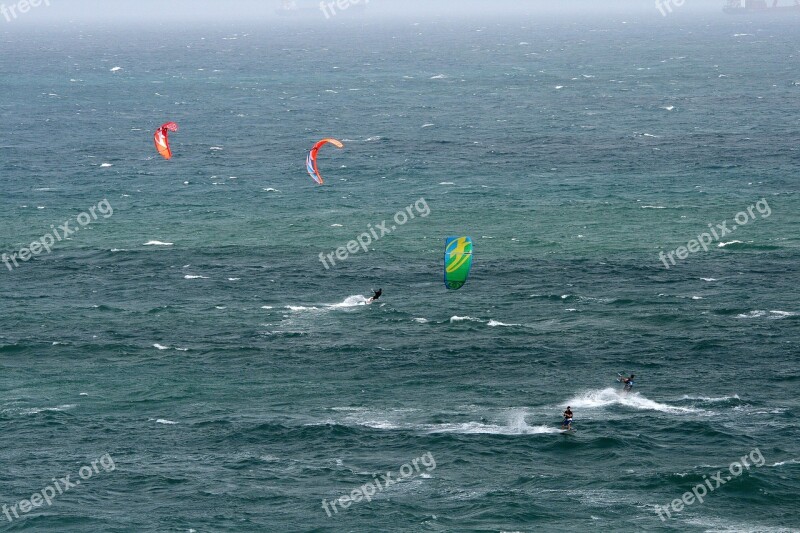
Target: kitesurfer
376, 295
628, 383
567, 423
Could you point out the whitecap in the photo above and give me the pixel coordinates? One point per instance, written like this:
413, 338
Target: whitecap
496, 323
106, 165
157, 243
190, 276
420, 320
165, 421
351, 301
724, 244
464, 319
116, 69
160, 346
447, 183
610, 396
37, 410
709, 279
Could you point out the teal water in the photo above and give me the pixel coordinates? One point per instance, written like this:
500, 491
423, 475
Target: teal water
237, 383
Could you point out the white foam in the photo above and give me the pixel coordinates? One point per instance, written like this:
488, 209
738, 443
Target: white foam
516, 426
653, 207
234, 279
607, 397
447, 183
160, 346
106, 165
709, 279
116, 69
428, 125
300, 308
165, 421
157, 243
476, 428
36, 410
190, 276
439, 77
421, 320
724, 244
464, 319
496, 323
709, 399
773, 315
790, 462
351, 301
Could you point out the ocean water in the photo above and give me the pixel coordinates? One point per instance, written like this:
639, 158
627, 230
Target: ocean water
189, 341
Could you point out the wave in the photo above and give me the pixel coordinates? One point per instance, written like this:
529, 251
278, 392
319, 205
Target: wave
190, 276
772, 315
516, 424
454, 319
297, 308
495, 323
157, 243
350, 301
607, 397
711, 400
478, 428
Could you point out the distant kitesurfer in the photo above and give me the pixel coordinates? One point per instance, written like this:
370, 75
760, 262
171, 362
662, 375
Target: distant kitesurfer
628, 383
567, 423
376, 295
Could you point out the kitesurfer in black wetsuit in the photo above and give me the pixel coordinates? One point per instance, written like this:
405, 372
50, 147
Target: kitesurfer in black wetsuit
376, 295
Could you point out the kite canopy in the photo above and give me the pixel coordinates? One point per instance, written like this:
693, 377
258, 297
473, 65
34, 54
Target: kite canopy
311, 160
161, 139
457, 261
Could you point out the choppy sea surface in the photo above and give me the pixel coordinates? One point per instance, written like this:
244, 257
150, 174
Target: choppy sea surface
190, 342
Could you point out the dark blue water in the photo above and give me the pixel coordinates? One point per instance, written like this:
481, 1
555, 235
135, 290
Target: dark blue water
190, 343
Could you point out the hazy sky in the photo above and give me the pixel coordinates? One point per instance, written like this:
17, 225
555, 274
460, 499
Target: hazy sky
64, 11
